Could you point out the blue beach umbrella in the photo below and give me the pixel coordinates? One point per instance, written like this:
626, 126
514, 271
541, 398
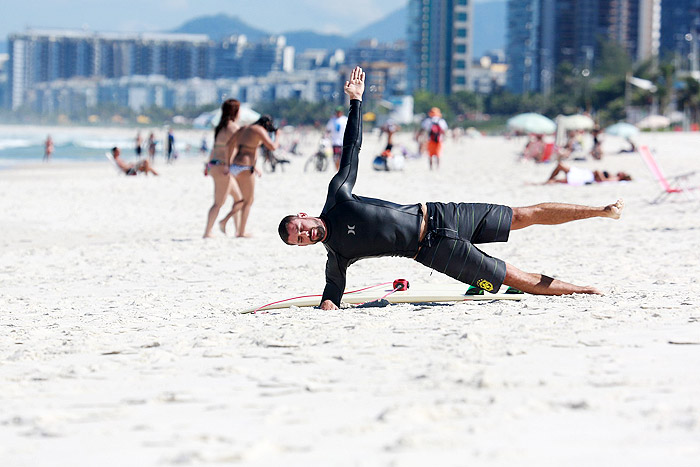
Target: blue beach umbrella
532, 123
622, 129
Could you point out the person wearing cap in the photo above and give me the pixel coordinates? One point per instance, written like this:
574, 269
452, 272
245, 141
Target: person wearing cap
335, 129
435, 127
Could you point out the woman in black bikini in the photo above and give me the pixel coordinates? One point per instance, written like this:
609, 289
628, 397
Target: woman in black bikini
218, 166
245, 151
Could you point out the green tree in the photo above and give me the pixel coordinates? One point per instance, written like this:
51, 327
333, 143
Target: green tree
689, 97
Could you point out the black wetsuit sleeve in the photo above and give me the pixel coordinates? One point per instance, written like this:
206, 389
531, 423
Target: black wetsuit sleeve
342, 183
335, 278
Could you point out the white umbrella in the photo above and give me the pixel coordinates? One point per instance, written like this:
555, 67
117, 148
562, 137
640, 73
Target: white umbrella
246, 115
622, 129
654, 122
532, 123
577, 122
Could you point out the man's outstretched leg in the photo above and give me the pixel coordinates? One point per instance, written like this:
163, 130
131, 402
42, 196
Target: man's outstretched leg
540, 284
559, 213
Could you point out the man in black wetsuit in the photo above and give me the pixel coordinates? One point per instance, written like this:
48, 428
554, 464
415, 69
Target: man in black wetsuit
440, 236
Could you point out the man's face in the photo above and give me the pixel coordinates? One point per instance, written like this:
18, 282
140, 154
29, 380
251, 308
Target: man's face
304, 230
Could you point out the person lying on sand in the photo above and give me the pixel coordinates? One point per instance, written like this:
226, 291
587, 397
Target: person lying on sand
440, 236
579, 176
132, 169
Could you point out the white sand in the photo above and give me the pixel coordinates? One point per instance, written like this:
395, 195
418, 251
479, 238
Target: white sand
122, 345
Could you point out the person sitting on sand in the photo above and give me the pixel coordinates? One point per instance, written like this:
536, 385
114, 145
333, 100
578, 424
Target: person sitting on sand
132, 169
440, 236
534, 149
632, 147
579, 176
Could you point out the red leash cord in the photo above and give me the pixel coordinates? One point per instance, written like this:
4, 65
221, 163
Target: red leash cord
398, 284
319, 295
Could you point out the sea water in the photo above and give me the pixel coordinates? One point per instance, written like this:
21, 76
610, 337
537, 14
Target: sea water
23, 145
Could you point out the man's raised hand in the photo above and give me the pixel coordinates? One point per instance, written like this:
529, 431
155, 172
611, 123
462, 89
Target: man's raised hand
355, 87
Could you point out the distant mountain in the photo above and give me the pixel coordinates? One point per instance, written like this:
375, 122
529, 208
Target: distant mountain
489, 30
219, 26
302, 40
388, 29
489, 27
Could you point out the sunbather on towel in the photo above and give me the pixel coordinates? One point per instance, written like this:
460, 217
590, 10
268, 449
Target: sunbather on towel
579, 176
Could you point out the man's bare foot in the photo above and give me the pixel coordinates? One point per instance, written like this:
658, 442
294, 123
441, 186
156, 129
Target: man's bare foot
244, 235
222, 226
614, 211
208, 235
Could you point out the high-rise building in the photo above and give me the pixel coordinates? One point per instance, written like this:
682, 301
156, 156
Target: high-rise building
440, 45
44, 56
542, 34
523, 45
680, 32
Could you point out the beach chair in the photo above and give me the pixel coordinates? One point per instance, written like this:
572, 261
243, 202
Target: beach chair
110, 158
676, 184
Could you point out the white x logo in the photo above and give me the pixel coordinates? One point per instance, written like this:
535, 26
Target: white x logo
351, 229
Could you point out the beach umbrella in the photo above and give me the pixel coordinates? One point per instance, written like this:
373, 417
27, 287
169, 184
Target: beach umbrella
532, 123
246, 116
622, 129
577, 122
654, 122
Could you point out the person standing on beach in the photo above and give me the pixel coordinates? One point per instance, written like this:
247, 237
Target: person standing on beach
435, 127
137, 144
152, 147
48, 148
335, 128
245, 143
440, 236
219, 167
170, 145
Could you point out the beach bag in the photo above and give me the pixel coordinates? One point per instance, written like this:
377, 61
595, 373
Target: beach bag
435, 132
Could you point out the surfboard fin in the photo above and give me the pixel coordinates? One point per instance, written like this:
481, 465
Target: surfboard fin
514, 290
474, 291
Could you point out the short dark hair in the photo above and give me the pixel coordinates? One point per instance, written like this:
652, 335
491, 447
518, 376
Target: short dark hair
282, 229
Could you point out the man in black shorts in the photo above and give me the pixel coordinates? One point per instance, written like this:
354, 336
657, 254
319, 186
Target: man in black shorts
438, 235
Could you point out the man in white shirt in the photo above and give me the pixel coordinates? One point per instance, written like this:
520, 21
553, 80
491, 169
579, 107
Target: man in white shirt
335, 128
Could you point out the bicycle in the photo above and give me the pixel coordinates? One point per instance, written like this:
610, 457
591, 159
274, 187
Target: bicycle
271, 161
320, 159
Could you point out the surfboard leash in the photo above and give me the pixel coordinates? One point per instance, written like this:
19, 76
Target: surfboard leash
398, 284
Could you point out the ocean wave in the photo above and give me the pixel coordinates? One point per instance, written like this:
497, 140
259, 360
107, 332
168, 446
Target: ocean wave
15, 143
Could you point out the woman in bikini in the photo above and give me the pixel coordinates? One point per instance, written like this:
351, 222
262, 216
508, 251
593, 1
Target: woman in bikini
218, 165
245, 151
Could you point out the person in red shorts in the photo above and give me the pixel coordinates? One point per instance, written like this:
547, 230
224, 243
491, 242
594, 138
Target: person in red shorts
435, 127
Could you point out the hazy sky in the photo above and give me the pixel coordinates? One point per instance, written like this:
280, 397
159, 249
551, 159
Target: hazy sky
275, 16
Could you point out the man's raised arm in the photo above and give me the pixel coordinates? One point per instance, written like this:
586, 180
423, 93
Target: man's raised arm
344, 180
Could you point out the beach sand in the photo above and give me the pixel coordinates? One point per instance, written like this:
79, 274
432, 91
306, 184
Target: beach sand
122, 341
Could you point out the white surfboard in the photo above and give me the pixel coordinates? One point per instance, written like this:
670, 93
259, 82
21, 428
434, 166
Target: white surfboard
424, 293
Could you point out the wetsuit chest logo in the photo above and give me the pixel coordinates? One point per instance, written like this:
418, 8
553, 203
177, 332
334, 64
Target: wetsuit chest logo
351, 229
